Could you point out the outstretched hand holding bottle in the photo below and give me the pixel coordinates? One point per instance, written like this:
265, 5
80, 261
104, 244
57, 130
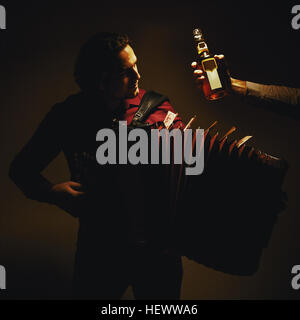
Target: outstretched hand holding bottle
278, 98
236, 86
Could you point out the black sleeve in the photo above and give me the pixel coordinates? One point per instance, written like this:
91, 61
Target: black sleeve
41, 149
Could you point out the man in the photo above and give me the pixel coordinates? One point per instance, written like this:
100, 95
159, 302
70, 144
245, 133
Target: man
281, 99
113, 203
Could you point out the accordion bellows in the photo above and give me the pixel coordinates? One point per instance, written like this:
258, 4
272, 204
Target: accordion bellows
226, 215
222, 218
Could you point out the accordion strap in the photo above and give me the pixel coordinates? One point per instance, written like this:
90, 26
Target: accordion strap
149, 101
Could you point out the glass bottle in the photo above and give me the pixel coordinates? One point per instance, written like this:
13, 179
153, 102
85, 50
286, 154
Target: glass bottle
217, 80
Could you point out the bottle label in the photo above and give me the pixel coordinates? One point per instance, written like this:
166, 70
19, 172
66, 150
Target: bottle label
210, 67
201, 47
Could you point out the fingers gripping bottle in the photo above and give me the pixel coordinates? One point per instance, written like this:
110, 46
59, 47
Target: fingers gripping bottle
217, 80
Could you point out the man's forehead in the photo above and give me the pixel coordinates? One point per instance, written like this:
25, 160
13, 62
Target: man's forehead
127, 57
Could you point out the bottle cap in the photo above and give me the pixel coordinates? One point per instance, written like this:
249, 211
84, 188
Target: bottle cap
198, 35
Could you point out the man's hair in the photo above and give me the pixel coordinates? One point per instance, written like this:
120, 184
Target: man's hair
97, 56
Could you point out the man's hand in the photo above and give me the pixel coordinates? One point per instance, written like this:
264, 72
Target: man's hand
237, 86
66, 197
68, 188
199, 73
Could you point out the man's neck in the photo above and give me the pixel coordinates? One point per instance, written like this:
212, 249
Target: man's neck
113, 104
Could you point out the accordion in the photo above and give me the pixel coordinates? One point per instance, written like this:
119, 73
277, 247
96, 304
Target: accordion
222, 218
226, 215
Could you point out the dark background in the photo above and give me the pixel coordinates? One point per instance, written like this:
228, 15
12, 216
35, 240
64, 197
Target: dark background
38, 50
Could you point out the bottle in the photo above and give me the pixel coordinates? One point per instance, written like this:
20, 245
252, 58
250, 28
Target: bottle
217, 82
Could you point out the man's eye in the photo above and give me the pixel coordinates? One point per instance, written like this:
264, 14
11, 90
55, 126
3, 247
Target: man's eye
124, 73
128, 72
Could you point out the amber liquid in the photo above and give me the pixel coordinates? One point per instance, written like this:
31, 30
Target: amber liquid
219, 93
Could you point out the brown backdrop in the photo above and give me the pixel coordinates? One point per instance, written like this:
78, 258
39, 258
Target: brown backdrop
38, 50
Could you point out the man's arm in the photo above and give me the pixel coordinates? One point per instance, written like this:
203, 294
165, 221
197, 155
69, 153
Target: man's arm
42, 148
267, 93
280, 99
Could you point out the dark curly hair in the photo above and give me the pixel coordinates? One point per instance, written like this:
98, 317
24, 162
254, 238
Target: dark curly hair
96, 56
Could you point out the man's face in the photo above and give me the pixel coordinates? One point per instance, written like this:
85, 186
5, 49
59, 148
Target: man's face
125, 77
